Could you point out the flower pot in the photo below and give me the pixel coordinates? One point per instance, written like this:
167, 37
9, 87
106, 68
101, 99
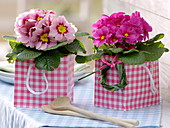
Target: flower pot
141, 91
36, 87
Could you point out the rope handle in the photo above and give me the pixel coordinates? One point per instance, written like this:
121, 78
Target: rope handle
27, 82
153, 88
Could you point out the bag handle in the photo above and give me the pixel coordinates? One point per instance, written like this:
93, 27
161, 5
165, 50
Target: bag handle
153, 88
27, 82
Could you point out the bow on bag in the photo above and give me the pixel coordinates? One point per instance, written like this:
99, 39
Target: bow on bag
119, 67
112, 64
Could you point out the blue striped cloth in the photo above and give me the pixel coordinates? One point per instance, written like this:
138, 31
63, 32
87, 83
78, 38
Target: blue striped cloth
149, 117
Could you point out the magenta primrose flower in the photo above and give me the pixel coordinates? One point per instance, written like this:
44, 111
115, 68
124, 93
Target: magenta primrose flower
127, 33
121, 28
42, 29
101, 35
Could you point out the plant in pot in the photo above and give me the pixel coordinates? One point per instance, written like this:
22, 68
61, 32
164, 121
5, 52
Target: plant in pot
126, 61
43, 52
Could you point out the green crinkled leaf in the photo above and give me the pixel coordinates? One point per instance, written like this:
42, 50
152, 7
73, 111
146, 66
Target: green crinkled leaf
49, 60
166, 49
116, 50
82, 34
63, 51
110, 49
11, 57
155, 38
102, 48
161, 45
153, 52
76, 46
10, 38
135, 58
90, 37
150, 52
57, 46
12, 41
18, 48
13, 44
130, 51
85, 59
28, 54
158, 37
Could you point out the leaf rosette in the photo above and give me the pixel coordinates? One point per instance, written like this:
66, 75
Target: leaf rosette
47, 59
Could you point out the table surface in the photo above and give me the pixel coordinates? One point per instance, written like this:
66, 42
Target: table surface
149, 117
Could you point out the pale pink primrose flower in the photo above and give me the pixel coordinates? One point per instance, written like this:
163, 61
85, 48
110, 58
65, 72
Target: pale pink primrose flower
42, 12
30, 19
23, 24
33, 29
41, 39
62, 30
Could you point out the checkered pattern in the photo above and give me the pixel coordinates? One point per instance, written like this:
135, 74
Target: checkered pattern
60, 83
137, 93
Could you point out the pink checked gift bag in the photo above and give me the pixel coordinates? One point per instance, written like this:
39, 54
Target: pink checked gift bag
36, 87
142, 89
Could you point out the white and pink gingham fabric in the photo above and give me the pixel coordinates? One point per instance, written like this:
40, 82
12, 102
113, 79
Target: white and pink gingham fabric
60, 83
137, 94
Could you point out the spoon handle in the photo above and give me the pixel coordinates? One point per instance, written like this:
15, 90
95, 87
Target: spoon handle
100, 117
131, 121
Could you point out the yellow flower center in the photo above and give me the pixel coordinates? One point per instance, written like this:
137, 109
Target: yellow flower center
114, 39
102, 37
126, 34
44, 37
62, 29
26, 21
118, 25
39, 18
